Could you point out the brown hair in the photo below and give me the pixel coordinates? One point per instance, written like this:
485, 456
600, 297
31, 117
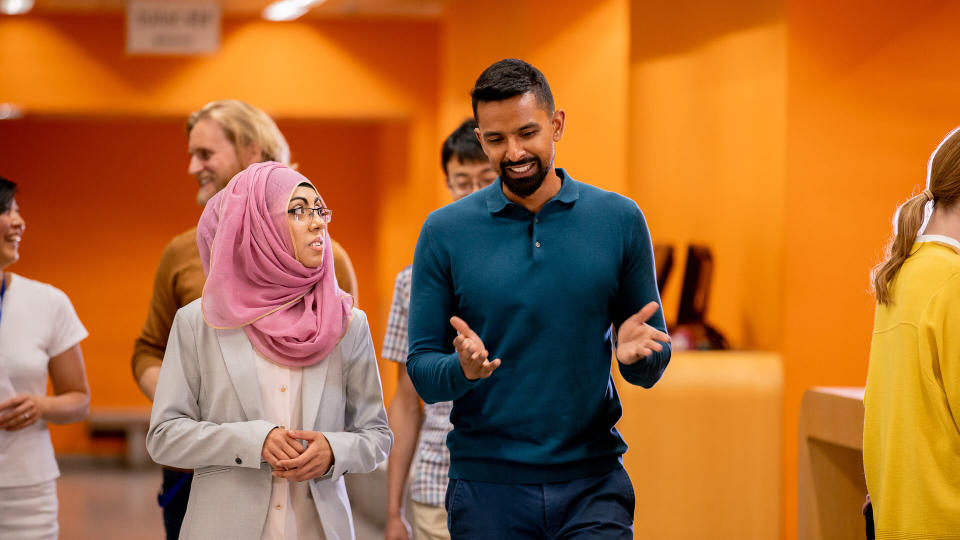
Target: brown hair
245, 124
943, 181
7, 191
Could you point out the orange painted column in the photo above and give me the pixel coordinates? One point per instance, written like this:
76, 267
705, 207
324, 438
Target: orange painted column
707, 156
581, 48
707, 146
870, 94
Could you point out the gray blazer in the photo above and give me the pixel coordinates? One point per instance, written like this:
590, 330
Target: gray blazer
208, 416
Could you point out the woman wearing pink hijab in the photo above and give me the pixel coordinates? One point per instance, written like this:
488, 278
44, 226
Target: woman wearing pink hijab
269, 388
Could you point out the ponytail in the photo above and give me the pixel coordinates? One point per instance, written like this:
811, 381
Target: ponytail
909, 219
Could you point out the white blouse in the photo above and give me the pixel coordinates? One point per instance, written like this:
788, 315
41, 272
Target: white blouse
37, 323
292, 515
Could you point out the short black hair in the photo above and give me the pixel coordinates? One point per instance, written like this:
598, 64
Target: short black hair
7, 190
508, 78
463, 145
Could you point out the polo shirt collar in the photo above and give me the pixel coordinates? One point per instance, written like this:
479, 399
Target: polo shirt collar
568, 194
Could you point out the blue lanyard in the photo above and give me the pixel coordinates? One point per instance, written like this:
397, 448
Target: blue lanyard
3, 288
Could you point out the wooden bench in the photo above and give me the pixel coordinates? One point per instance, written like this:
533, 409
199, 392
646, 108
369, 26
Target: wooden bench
132, 421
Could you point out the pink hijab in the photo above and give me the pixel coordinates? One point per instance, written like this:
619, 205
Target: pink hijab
293, 315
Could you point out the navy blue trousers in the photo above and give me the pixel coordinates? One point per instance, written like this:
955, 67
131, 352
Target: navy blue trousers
594, 507
175, 493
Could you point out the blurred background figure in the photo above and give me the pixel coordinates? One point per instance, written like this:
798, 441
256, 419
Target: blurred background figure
270, 387
225, 137
911, 444
420, 435
41, 335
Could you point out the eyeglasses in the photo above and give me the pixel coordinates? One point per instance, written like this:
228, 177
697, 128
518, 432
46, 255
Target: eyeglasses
302, 214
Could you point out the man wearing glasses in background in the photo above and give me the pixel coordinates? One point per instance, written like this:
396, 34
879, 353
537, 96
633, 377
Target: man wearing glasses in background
225, 137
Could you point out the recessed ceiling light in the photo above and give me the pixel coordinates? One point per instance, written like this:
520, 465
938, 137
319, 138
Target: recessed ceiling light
15, 7
288, 10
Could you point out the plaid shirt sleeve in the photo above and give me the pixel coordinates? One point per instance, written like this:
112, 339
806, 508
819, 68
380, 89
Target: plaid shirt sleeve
395, 340
428, 472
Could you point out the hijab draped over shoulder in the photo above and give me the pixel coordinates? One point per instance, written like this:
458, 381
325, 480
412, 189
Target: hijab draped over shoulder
293, 315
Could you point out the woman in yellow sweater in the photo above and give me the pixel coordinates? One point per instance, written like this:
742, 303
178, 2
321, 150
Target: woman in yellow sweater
911, 433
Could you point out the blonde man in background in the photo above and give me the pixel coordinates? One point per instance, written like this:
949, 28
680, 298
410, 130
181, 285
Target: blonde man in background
225, 137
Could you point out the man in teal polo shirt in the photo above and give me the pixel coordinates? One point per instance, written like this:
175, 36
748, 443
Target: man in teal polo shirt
515, 288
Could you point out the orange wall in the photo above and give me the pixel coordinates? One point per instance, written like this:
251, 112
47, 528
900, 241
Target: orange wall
99, 215
332, 69
871, 91
707, 150
664, 104
339, 69
784, 135
706, 147
353, 110
581, 47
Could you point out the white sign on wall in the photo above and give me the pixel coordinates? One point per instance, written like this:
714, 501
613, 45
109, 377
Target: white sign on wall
173, 27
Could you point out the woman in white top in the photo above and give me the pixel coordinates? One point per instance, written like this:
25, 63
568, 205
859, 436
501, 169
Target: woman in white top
40, 336
269, 387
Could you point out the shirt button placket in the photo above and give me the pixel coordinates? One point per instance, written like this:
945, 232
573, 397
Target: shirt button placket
536, 221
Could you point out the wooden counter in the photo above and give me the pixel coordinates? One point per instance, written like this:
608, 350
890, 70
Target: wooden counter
705, 447
830, 486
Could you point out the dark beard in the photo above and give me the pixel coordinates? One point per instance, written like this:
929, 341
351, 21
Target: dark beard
526, 186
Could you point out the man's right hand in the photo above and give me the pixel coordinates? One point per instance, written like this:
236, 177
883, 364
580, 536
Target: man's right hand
148, 381
471, 352
397, 528
278, 446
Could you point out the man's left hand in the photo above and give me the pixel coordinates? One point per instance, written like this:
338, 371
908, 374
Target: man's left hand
636, 339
